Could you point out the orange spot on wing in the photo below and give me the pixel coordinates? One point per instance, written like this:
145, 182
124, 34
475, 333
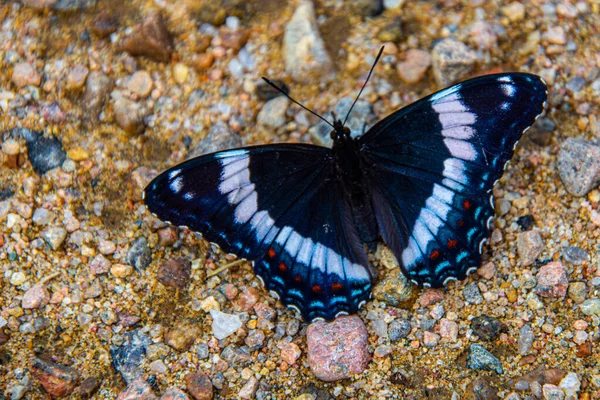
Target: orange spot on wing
434, 254
297, 279
336, 286
452, 243
460, 223
282, 267
467, 205
271, 253
316, 289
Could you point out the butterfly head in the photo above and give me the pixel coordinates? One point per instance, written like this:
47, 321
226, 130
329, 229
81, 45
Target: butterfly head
340, 132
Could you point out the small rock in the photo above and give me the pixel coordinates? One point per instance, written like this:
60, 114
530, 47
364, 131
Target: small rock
391, 32
199, 386
255, 339
236, 356
541, 131
398, 329
248, 298
129, 357
579, 166
482, 389
529, 246
97, 88
4, 337
339, 349
481, 359
219, 137
273, 112
76, 77
139, 255
556, 35
36, 297
552, 392
430, 339
431, 296
449, 329
234, 40
182, 336
487, 328
452, 60
525, 339
139, 389
305, 55
395, 289
175, 273
366, 8
577, 292
590, 307
130, 115
180, 73
25, 74
223, 324
58, 380
104, 25
174, 393
472, 294
140, 83
121, 270
514, 11
290, 353
575, 255
54, 236
45, 153
150, 39
570, 384
203, 61
487, 270
249, 389
525, 222
552, 281
88, 387
414, 66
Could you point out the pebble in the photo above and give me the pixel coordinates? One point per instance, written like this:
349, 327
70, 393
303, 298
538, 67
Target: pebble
552, 392
391, 4
290, 352
137, 390
577, 292
54, 236
4, 337
570, 384
121, 270
430, 339
398, 329
579, 166
42, 216
248, 298
139, 255
182, 336
430, 296
339, 349
76, 77
575, 255
472, 294
529, 246
223, 324
45, 153
452, 61
175, 273
395, 289
140, 83
487, 328
415, 65
556, 35
174, 393
590, 307
180, 73
304, 51
88, 387
36, 297
18, 278
128, 357
99, 265
219, 137
150, 39
482, 389
514, 11
58, 380
236, 356
255, 339
203, 61
481, 359
249, 389
130, 116
97, 87
487, 270
198, 384
541, 131
25, 74
273, 112
525, 339
552, 281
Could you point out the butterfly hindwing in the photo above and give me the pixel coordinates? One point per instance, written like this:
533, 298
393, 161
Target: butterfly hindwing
274, 204
431, 167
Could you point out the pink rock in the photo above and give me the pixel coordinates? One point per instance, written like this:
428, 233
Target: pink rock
339, 349
137, 390
58, 380
36, 297
174, 393
430, 339
290, 353
248, 298
552, 281
431, 296
413, 69
448, 329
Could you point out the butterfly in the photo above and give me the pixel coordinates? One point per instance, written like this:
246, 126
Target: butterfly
420, 179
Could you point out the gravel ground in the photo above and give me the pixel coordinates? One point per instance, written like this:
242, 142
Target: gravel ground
101, 300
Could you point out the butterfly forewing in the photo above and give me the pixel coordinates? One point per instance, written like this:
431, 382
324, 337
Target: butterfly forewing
431, 167
277, 205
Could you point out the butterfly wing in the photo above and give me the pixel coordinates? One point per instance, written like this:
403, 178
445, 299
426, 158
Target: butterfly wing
431, 167
280, 206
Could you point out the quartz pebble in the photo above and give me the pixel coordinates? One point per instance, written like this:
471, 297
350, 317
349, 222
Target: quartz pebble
224, 324
579, 166
451, 60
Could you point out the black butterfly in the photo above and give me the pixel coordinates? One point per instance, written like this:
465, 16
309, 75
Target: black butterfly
420, 179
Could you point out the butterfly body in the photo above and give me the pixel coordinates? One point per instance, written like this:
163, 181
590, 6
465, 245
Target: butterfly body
420, 180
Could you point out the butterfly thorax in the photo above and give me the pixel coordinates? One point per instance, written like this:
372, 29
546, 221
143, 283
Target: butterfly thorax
350, 174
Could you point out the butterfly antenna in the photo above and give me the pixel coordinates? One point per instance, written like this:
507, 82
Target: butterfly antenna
288, 96
365, 84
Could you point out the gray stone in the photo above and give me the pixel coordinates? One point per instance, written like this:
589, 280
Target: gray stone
224, 324
54, 236
97, 87
129, 356
529, 246
398, 329
575, 255
472, 294
590, 307
45, 153
219, 137
273, 112
304, 51
130, 115
481, 359
579, 166
525, 339
452, 60
139, 255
